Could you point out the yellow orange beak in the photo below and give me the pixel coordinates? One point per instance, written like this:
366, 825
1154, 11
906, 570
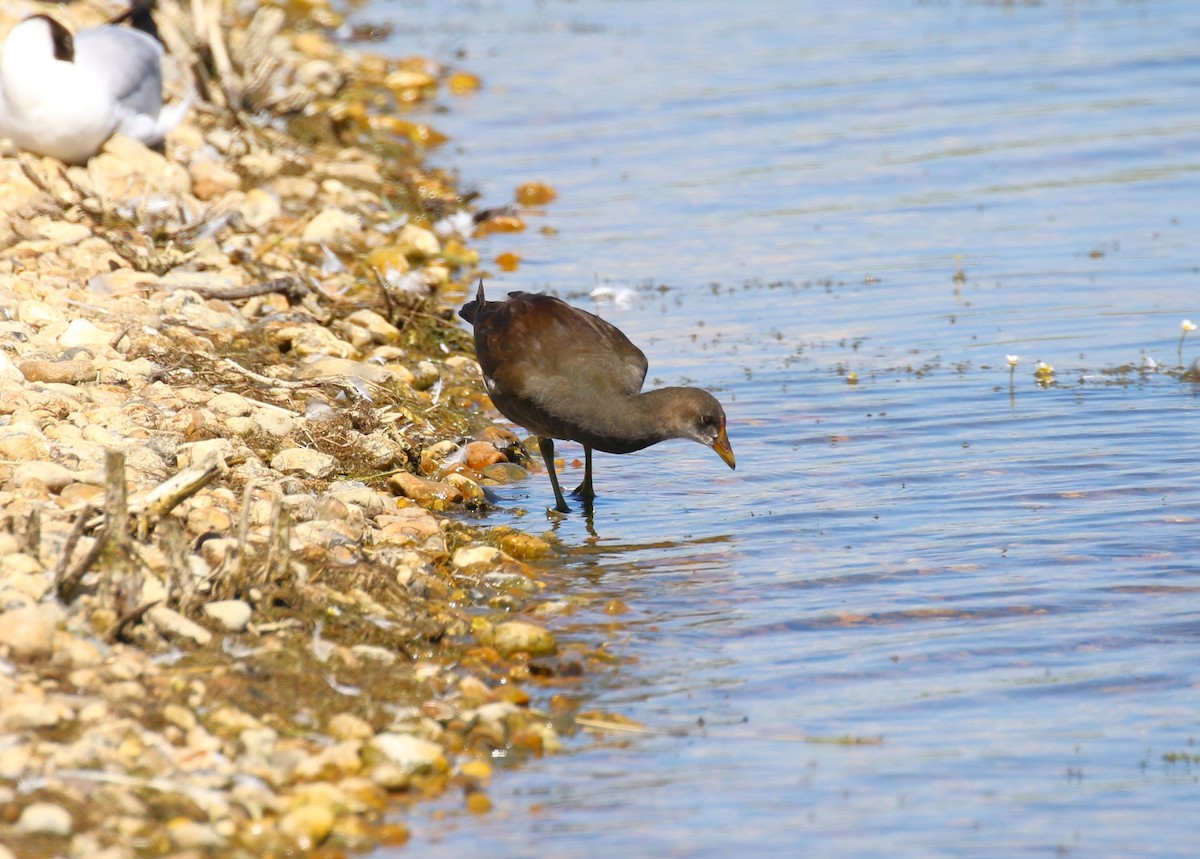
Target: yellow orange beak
721, 446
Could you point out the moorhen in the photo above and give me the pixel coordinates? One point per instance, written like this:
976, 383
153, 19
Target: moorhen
562, 372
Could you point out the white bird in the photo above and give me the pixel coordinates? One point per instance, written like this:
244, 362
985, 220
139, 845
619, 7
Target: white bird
64, 96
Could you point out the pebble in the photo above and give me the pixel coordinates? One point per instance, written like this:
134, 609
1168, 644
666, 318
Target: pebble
307, 825
22, 712
10, 376
425, 375
378, 329
61, 372
347, 726
179, 716
53, 476
230, 404
360, 495
14, 760
481, 454
259, 208
411, 754
330, 225
374, 654
423, 491
82, 334
44, 818
519, 636
274, 422
259, 742
174, 625
28, 632
526, 547
194, 453
233, 615
212, 179
505, 472
320, 345
22, 442
304, 462
471, 556
423, 242
477, 802
471, 491
194, 835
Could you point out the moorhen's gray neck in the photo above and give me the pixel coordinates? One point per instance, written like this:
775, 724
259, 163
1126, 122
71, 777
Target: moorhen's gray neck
637, 422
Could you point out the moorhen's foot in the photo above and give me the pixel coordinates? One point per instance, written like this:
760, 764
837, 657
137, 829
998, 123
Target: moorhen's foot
584, 493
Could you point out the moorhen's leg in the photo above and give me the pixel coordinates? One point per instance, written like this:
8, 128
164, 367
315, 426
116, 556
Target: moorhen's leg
546, 446
584, 490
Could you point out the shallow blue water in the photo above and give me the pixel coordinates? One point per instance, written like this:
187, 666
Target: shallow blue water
997, 580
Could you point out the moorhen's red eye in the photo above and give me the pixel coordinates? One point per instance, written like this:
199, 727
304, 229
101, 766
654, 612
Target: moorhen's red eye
562, 372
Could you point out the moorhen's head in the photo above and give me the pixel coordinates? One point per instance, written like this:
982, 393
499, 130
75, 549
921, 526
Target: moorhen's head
697, 415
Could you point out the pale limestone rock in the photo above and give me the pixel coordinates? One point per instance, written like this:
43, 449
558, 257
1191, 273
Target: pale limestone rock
304, 462
195, 452
212, 179
347, 726
233, 615
410, 753
471, 555
230, 404
59, 372
28, 632
259, 208
422, 242
22, 442
45, 818
174, 625
517, 636
50, 474
80, 333
329, 226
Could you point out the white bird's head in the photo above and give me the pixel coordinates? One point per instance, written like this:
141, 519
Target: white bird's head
40, 39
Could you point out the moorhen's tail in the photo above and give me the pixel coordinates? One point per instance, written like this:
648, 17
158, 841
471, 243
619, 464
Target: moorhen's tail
471, 309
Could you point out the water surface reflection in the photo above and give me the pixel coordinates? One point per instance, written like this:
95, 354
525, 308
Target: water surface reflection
842, 218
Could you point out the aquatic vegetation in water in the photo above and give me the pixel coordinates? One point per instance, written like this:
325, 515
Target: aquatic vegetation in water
1187, 325
1012, 360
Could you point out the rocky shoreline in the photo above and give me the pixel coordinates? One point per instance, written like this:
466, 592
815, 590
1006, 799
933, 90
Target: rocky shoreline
243, 608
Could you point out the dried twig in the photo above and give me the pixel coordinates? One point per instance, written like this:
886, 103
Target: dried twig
33, 531
180, 587
70, 580
347, 384
243, 533
124, 582
279, 542
154, 504
129, 618
292, 287
62, 585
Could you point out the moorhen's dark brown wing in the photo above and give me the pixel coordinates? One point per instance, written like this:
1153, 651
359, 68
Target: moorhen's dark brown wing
553, 368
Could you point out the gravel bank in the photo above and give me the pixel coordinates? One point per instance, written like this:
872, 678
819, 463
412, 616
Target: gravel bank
244, 610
